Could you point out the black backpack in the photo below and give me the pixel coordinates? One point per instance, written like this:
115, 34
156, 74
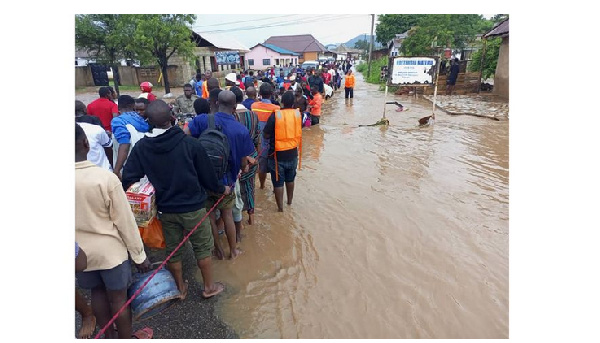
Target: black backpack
215, 142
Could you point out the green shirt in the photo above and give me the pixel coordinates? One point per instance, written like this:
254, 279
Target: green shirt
185, 105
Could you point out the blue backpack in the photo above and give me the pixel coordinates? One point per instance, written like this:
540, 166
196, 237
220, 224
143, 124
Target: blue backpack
249, 81
215, 142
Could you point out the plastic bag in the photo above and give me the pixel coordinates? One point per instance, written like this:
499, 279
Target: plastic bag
152, 235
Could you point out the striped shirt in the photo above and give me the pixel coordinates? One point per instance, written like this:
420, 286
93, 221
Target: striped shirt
250, 121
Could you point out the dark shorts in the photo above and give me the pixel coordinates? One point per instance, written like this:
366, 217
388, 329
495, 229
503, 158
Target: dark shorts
286, 170
263, 166
115, 279
177, 225
451, 82
227, 202
314, 120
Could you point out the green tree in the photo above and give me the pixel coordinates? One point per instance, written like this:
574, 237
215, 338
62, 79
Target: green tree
104, 37
160, 36
499, 17
490, 59
438, 31
361, 44
364, 46
388, 25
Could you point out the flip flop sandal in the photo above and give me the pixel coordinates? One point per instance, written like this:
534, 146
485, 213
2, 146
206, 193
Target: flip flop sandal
145, 333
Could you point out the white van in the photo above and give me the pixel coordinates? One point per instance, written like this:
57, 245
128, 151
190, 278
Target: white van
310, 64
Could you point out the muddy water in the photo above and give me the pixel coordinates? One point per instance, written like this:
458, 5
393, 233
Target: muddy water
398, 232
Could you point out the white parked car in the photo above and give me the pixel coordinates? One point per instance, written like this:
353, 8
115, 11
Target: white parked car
309, 64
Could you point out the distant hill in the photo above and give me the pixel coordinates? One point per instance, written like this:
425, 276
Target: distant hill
350, 43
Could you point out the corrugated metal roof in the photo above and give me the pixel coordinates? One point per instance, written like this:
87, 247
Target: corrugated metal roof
297, 43
342, 49
499, 30
279, 50
223, 41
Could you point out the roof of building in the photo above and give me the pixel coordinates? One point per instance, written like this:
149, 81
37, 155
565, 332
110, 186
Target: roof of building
501, 29
276, 49
343, 49
397, 40
297, 43
81, 53
218, 40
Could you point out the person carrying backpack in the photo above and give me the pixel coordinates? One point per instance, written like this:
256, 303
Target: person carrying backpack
240, 147
180, 170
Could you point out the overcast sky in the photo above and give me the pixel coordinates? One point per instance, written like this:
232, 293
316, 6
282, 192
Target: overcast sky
248, 28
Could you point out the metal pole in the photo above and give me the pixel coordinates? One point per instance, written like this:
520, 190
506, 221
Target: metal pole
371, 48
437, 74
481, 66
384, 99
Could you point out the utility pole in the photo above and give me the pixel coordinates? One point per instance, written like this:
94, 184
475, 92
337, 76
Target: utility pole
481, 62
371, 45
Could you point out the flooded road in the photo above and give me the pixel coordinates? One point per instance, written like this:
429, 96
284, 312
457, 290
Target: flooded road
398, 232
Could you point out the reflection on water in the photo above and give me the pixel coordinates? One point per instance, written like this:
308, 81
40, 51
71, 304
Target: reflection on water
398, 232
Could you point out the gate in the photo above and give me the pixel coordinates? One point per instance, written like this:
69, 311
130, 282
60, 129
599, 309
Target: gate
99, 74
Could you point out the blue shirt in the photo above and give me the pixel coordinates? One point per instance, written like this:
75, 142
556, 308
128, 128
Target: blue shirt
240, 143
198, 88
119, 127
248, 103
280, 80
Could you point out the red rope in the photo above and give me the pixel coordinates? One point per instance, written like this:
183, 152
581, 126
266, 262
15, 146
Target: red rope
161, 266
157, 270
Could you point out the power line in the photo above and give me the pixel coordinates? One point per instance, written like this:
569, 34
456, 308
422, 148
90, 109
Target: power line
238, 22
286, 23
273, 24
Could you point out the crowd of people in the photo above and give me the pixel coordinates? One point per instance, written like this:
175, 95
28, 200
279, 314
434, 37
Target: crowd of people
201, 153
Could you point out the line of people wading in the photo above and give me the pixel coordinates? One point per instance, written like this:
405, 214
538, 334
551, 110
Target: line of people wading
204, 149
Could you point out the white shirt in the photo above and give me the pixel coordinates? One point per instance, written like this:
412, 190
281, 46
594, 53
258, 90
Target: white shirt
328, 90
98, 140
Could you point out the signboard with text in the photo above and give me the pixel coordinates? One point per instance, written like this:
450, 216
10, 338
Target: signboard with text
227, 57
412, 71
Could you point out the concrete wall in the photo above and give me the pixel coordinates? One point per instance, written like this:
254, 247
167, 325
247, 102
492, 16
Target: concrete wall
128, 76
186, 70
180, 71
501, 75
83, 77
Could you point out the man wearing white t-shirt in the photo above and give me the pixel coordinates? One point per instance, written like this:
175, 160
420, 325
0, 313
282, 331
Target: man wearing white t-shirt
100, 152
100, 143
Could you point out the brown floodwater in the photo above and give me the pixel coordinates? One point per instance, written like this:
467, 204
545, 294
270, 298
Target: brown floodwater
397, 232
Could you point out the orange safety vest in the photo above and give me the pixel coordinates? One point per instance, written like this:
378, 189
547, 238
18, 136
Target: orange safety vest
288, 133
205, 89
263, 110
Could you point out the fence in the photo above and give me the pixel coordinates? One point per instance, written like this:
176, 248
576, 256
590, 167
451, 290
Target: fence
133, 76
